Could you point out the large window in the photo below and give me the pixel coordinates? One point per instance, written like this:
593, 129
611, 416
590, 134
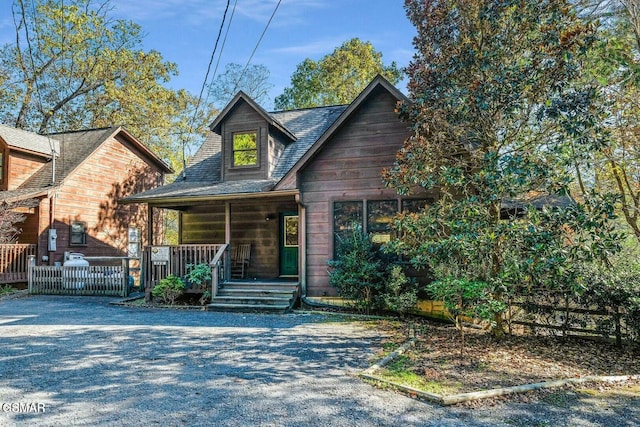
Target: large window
380, 214
78, 233
374, 216
345, 216
245, 149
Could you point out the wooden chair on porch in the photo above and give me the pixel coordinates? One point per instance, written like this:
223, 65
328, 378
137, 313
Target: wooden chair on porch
240, 257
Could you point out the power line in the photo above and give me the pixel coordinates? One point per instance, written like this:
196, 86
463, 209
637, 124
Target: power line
224, 42
256, 48
204, 83
215, 47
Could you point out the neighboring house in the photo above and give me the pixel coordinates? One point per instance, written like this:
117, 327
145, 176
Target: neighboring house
77, 179
287, 183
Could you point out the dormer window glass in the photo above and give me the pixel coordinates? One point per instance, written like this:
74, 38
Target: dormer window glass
245, 149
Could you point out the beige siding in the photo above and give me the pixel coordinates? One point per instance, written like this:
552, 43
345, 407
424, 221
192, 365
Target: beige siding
91, 195
21, 167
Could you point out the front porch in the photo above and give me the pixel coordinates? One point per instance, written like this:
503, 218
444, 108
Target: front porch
255, 239
227, 293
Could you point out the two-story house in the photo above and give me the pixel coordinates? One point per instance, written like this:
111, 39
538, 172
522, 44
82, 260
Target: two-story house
76, 180
288, 182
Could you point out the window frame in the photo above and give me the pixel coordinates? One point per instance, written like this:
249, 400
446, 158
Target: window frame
82, 234
400, 202
256, 134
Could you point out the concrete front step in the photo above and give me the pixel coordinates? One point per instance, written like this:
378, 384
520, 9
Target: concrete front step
255, 296
244, 292
252, 300
274, 286
280, 308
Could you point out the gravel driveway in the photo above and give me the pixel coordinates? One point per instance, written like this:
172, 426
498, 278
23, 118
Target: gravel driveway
80, 361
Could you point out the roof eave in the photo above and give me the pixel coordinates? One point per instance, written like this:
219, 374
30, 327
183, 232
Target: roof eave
181, 200
164, 167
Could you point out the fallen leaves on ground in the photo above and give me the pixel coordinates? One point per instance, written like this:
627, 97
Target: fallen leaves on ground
516, 360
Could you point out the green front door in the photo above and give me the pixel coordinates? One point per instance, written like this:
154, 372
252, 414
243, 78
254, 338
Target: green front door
289, 244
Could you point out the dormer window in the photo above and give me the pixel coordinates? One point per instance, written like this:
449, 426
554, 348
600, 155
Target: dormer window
245, 149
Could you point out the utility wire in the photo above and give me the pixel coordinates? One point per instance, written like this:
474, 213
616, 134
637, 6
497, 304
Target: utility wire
256, 48
204, 83
224, 42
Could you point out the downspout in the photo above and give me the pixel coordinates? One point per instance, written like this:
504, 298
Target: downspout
302, 254
52, 217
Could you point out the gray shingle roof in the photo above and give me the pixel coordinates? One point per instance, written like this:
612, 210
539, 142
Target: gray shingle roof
307, 125
75, 147
205, 164
29, 141
203, 169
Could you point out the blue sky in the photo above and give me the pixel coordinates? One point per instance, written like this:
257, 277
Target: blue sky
184, 32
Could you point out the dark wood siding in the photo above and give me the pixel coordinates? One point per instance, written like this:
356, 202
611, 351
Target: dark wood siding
206, 224
348, 167
243, 119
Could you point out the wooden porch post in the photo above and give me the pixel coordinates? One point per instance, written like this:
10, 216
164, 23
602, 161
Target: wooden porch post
227, 239
31, 264
150, 225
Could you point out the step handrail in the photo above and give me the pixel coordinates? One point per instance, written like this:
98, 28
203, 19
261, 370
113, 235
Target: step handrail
215, 265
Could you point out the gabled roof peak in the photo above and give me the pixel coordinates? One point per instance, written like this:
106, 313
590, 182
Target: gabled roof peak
243, 97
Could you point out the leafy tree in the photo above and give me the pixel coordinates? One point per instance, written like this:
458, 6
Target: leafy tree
73, 66
254, 81
337, 78
10, 219
497, 119
614, 64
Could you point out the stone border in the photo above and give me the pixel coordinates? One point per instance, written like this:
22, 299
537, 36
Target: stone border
482, 394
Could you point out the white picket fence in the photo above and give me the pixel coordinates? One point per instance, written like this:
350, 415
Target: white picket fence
89, 280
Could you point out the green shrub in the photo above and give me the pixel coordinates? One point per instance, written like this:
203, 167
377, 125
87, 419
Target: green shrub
169, 289
357, 273
370, 277
6, 290
615, 290
198, 274
401, 293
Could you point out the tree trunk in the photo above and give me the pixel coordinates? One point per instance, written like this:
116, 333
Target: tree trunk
496, 268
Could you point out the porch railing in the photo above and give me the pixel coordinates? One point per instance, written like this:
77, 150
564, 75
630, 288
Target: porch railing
14, 262
83, 280
217, 269
178, 257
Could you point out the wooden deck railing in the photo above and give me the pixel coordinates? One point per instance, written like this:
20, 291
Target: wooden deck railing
217, 269
89, 280
178, 257
14, 262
